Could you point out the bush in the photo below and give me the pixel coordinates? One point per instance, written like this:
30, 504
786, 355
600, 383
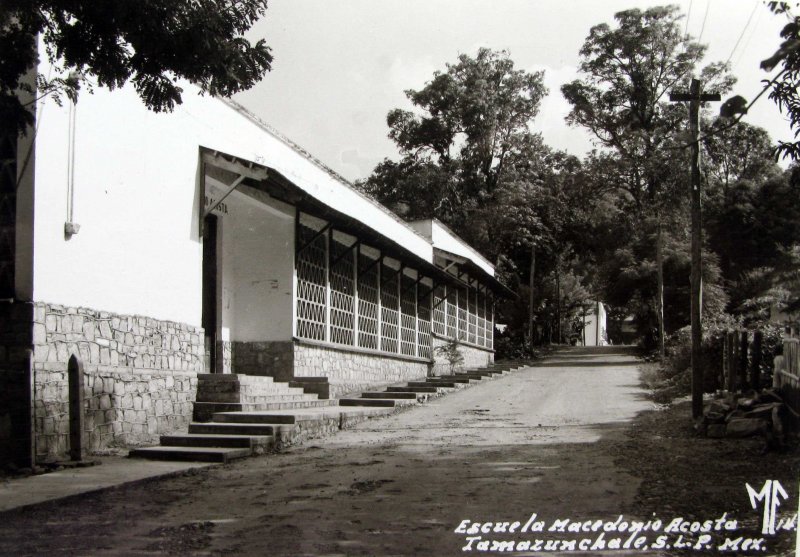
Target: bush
677, 367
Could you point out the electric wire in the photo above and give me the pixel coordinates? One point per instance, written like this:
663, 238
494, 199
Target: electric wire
705, 17
746, 25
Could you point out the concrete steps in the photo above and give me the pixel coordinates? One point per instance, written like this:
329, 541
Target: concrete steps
237, 415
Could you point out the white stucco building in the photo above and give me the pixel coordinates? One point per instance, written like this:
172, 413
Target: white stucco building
140, 250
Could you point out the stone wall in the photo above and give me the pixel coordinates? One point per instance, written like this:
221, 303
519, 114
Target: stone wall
473, 357
16, 438
273, 358
351, 371
139, 376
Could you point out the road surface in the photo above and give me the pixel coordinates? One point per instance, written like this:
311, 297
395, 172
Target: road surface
537, 441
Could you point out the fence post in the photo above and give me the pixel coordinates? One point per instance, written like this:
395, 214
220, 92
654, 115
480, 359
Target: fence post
755, 361
744, 384
731, 349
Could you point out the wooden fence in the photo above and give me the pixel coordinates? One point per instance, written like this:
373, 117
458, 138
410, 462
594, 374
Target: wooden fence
786, 378
741, 361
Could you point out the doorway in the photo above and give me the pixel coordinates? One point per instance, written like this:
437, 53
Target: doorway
209, 318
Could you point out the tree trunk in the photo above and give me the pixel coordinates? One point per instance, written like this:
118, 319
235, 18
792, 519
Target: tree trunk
530, 295
660, 288
558, 304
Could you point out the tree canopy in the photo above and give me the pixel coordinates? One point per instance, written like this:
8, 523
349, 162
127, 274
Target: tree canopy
151, 43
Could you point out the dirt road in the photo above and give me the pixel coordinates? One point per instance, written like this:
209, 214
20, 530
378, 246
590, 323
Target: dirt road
539, 440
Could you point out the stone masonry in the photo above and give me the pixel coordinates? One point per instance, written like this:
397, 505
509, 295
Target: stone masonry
140, 376
473, 357
351, 371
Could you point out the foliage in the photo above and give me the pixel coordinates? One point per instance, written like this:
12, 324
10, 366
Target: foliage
756, 230
450, 352
152, 43
620, 98
784, 87
676, 371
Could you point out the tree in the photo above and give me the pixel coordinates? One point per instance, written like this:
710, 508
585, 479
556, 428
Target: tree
626, 74
784, 87
736, 152
469, 121
151, 43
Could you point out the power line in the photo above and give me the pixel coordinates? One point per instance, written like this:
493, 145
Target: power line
705, 17
750, 35
746, 25
688, 15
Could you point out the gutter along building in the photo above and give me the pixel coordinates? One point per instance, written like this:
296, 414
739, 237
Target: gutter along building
141, 250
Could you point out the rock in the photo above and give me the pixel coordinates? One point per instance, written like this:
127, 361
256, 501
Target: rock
713, 417
716, 431
762, 411
719, 406
745, 427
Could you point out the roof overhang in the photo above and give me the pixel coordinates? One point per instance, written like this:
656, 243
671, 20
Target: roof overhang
476, 271
278, 186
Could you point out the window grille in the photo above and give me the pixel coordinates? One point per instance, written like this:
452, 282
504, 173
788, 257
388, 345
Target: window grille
490, 321
462, 314
342, 294
424, 321
471, 316
452, 312
368, 303
408, 317
311, 284
480, 329
389, 309
438, 324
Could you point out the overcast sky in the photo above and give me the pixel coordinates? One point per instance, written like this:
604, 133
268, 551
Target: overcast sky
341, 65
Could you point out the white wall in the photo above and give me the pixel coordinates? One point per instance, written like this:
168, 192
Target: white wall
443, 238
137, 200
257, 267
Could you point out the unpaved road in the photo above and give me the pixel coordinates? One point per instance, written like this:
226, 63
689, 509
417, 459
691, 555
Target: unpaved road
539, 440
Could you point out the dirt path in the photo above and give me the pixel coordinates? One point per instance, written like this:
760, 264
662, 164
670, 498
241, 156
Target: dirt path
539, 440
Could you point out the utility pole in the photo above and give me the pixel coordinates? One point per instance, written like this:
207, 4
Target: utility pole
695, 97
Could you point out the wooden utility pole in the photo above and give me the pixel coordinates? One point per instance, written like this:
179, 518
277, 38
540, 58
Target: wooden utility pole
695, 97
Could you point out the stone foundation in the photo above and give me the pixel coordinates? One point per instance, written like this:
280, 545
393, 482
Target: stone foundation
350, 371
473, 357
139, 376
273, 358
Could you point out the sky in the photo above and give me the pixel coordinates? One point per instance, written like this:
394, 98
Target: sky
341, 65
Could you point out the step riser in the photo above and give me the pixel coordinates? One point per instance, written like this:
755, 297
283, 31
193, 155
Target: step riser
231, 442
411, 396
195, 456
260, 418
233, 429
421, 390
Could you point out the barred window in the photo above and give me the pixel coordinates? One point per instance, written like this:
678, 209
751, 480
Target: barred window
408, 317
368, 302
389, 308
311, 284
424, 319
351, 294
452, 312
438, 323
342, 292
462, 313
472, 311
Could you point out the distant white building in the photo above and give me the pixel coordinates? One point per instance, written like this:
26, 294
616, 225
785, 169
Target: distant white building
138, 250
594, 330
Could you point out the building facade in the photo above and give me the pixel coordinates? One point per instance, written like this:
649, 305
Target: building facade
139, 250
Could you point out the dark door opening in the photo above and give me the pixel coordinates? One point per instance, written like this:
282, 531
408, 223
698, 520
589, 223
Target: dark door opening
75, 382
209, 319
